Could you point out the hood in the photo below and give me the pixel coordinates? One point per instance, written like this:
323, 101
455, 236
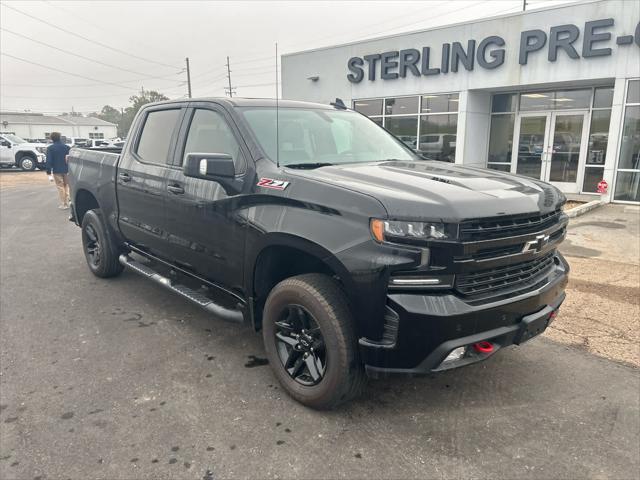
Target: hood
436, 190
31, 145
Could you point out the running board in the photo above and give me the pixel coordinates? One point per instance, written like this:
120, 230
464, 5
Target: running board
182, 290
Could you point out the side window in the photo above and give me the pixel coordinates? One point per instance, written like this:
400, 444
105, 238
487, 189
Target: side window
209, 133
153, 145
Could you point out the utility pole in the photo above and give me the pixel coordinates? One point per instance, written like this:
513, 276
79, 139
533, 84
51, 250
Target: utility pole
188, 77
229, 88
524, 5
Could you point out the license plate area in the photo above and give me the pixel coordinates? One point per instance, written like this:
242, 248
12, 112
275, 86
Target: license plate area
533, 325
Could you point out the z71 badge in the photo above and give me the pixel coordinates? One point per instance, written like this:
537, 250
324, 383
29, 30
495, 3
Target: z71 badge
273, 184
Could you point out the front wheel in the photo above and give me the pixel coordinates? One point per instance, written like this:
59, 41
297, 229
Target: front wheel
99, 250
309, 339
27, 163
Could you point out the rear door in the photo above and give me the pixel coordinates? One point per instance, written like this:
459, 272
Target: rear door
205, 233
141, 177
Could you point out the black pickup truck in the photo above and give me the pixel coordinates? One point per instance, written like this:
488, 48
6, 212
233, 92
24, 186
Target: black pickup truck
311, 223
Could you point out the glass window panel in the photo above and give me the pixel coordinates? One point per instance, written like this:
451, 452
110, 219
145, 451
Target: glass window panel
153, 146
438, 136
405, 128
401, 106
210, 133
501, 138
598, 137
368, 107
592, 176
567, 137
531, 146
558, 100
630, 148
633, 92
503, 102
627, 187
603, 97
440, 103
377, 120
499, 166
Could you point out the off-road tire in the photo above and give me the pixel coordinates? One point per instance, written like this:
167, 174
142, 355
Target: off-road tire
108, 265
322, 296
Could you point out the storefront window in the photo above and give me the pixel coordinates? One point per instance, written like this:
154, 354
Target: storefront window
501, 142
597, 152
405, 128
440, 103
401, 106
438, 137
603, 97
504, 102
368, 107
556, 100
428, 123
628, 178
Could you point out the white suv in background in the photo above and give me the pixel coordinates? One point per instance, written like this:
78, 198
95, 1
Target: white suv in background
17, 151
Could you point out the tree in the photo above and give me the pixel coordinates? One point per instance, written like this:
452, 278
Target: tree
124, 118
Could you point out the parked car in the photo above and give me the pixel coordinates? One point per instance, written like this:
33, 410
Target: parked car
438, 146
350, 253
15, 151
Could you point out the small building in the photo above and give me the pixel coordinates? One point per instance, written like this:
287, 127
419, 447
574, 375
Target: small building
39, 126
553, 93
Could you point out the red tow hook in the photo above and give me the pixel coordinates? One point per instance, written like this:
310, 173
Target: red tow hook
483, 347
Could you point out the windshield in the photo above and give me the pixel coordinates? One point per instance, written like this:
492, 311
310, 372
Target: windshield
316, 136
14, 138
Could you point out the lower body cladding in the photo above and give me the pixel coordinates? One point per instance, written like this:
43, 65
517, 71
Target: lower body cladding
435, 332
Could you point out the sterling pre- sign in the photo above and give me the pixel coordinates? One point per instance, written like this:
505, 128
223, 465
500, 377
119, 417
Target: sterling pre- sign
490, 52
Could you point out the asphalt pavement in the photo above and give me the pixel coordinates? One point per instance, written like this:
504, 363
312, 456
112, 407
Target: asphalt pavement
118, 379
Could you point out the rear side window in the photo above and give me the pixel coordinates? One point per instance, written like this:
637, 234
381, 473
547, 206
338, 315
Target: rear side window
210, 133
153, 146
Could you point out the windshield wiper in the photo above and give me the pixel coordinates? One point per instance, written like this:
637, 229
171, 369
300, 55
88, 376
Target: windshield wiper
308, 165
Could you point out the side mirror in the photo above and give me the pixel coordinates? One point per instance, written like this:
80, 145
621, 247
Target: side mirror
218, 167
6, 143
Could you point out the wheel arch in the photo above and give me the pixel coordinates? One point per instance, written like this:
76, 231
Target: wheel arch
84, 201
283, 255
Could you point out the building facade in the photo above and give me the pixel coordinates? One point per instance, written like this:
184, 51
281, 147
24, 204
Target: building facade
39, 126
553, 94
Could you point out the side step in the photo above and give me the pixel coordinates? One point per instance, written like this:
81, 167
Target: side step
182, 290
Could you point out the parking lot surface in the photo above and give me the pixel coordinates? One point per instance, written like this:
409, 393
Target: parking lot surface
118, 379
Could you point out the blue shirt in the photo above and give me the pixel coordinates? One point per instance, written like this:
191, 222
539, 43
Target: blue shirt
56, 162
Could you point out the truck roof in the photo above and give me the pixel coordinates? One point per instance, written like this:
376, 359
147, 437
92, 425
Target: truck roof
250, 102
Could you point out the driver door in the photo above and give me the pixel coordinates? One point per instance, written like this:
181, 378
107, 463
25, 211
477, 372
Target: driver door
205, 233
6, 152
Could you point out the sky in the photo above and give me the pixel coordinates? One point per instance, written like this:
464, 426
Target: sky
59, 56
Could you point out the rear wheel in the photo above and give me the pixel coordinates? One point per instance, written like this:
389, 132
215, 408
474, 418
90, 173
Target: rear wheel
99, 250
27, 163
309, 339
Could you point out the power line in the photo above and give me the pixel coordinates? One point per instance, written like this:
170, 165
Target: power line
69, 32
63, 71
72, 53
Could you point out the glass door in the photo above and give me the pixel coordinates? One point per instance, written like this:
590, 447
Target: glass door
531, 135
552, 146
566, 150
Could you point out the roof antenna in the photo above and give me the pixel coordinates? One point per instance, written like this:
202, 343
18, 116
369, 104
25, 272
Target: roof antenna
277, 117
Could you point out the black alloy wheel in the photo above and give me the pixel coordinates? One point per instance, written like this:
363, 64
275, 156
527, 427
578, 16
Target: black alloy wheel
300, 345
92, 246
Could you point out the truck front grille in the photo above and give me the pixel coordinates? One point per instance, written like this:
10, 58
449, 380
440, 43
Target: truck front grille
490, 228
514, 279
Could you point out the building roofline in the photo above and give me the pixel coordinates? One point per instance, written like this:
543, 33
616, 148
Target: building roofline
449, 25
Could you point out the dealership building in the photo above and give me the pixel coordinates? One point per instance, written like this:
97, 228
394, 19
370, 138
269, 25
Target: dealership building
553, 93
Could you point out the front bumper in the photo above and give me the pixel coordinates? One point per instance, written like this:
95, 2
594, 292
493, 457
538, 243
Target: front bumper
429, 327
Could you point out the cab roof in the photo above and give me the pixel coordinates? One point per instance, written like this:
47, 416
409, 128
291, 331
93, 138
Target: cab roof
250, 102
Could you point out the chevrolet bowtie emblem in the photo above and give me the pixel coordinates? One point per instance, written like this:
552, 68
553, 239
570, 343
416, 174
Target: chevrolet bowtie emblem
536, 246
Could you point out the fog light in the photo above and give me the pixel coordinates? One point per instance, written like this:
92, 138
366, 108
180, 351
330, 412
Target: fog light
456, 354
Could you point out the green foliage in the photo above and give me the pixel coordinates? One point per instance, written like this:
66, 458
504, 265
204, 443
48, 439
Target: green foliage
124, 118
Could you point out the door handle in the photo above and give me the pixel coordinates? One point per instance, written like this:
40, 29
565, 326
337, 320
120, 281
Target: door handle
175, 189
125, 177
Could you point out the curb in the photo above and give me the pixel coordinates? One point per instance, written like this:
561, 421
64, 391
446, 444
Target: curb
582, 209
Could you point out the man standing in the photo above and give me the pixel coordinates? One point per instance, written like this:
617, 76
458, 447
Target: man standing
57, 164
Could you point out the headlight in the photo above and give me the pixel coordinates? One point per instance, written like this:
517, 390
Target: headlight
390, 230
41, 149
